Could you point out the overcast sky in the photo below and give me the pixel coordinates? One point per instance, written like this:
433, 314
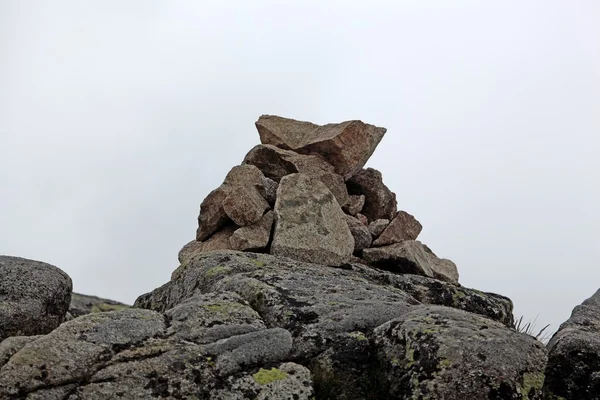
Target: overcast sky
118, 117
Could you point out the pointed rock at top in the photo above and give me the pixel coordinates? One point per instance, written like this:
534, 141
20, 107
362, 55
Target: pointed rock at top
347, 145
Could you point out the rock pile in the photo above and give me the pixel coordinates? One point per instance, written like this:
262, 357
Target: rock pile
303, 193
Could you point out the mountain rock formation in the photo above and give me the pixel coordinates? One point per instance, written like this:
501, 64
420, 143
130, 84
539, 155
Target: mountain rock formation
304, 282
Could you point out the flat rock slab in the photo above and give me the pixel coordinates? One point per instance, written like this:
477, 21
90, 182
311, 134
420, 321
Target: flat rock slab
412, 257
442, 353
573, 370
380, 202
34, 297
347, 145
310, 224
403, 227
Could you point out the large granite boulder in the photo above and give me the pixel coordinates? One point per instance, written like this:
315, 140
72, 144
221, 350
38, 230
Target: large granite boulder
411, 257
573, 370
34, 297
347, 145
310, 224
380, 202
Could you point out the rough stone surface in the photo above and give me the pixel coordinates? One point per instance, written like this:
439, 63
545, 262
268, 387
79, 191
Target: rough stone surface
355, 204
347, 145
212, 215
573, 370
82, 304
403, 227
277, 163
310, 225
361, 234
34, 297
245, 205
253, 237
380, 202
363, 220
378, 226
412, 257
437, 352
188, 250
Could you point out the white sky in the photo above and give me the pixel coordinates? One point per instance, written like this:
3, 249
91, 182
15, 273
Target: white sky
118, 117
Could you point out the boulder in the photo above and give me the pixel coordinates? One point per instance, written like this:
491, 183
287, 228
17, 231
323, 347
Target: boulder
212, 214
355, 204
34, 297
253, 237
363, 220
244, 205
277, 163
380, 202
403, 227
361, 234
411, 257
310, 224
82, 304
573, 370
378, 226
437, 352
347, 145
188, 250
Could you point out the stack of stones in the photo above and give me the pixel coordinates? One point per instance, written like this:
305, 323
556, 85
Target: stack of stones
303, 193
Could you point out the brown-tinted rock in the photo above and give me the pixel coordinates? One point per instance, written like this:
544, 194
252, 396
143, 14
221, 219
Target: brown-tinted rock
270, 191
277, 163
253, 237
310, 224
347, 145
411, 257
218, 241
403, 227
361, 234
363, 220
380, 202
188, 249
355, 204
212, 215
244, 205
377, 226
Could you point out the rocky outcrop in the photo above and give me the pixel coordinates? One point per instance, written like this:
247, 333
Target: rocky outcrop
82, 304
573, 370
34, 297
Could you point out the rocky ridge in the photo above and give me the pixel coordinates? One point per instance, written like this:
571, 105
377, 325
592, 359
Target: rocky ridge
304, 282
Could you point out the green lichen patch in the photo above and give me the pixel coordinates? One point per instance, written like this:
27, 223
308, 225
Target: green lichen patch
218, 270
105, 307
264, 376
358, 336
225, 308
258, 263
532, 381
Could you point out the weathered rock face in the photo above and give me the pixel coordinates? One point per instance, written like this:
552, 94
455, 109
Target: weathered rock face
573, 370
310, 225
254, 237
347, 146
34, 297
355, 204
403, 227
380, 202
82, 304
412, 257
378, 226
361, 234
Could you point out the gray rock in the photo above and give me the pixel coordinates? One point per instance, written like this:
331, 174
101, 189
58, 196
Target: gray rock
573, 370
82, 304
277, 163
403, 227
10, 346
270, 191
355, 204
361, 234
380, 202
245, 206
347, 145
34, 297
310, 225
378, 226
253, 237
441, 353
363, 220
411, 257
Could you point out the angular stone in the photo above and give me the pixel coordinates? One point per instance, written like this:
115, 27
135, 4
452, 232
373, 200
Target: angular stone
378, 226
34, 297
363, 220
437, 352
573, 370
355, 204
310, 224
270, 191
188, 249
347, 145
212, 215
403, 227
411, 257
218, 241
253, 237
245, 205
277, 163
361, 234
380, 202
